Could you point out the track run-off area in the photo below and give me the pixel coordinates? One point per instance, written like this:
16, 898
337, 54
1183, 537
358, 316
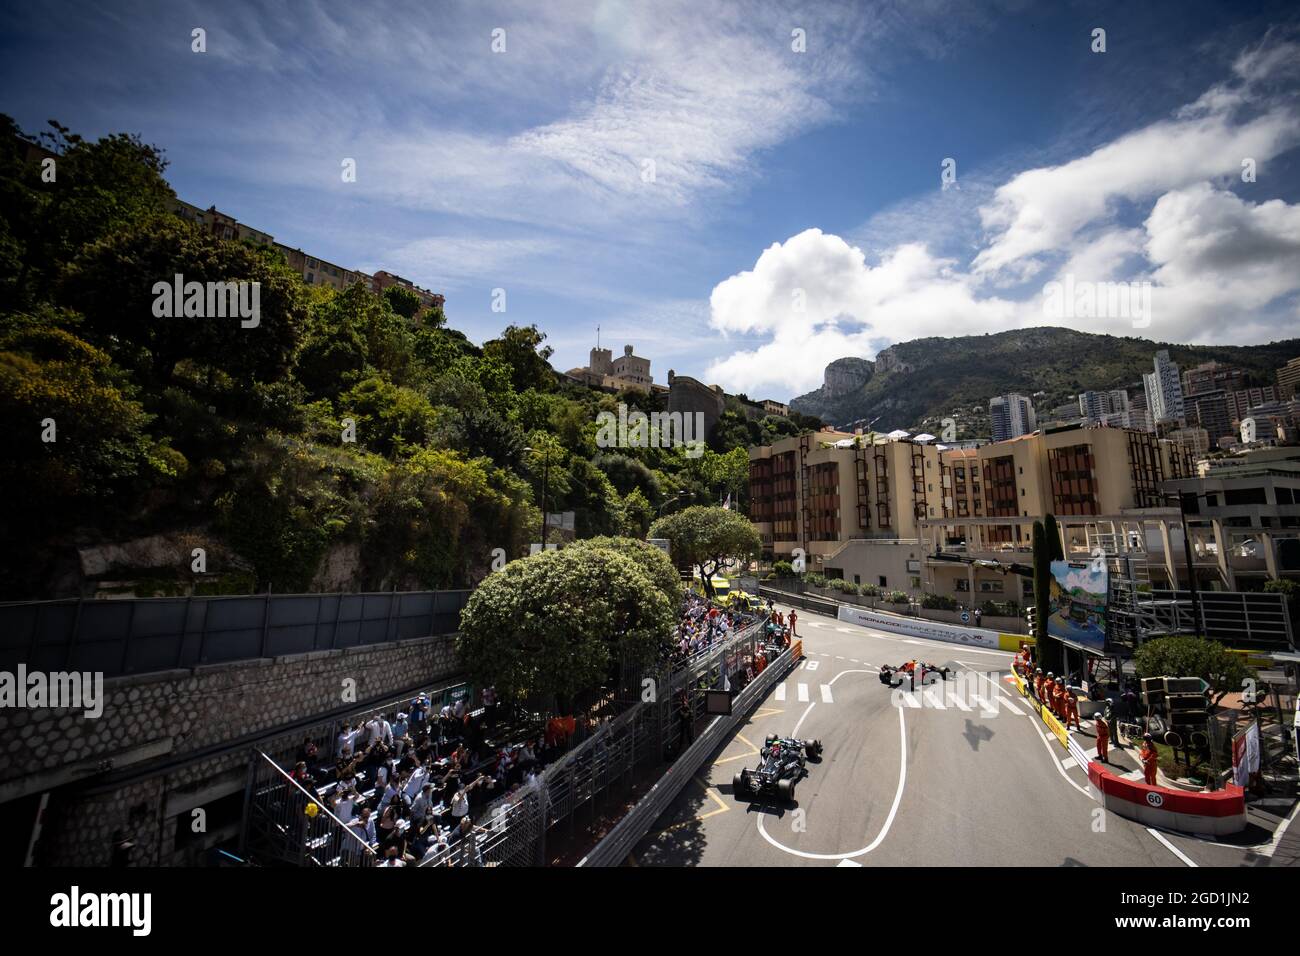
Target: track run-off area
936, 777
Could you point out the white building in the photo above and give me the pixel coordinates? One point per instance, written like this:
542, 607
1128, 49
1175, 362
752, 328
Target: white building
1011, 416
1164, 391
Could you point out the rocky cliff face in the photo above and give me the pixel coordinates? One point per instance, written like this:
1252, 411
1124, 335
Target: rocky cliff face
845, 376
842, 380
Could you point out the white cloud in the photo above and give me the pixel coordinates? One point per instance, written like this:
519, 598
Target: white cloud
1041, 210
1220, 262
1150, 206
848, 308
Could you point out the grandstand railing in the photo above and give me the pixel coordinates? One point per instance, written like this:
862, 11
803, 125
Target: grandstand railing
514, 827
279, 829
517, 824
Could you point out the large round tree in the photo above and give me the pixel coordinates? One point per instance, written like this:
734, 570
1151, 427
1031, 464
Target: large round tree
552, 624
651, 560
708, 538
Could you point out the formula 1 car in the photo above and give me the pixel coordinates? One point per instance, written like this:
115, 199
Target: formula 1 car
904, 673
781, 765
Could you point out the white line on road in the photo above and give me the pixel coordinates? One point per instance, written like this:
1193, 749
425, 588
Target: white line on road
1277, 834
803, 693
889, 820
826, 694
1171, 848
780, 691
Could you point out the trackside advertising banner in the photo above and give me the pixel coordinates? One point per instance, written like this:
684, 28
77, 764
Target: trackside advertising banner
916, 627
1078, 612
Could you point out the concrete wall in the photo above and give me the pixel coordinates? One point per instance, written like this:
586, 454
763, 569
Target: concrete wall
153, 719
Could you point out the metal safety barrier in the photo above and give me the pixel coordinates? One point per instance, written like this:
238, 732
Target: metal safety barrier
614, 848
280, 829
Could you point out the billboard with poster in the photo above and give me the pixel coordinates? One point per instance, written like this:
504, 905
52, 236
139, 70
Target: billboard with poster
1078, 605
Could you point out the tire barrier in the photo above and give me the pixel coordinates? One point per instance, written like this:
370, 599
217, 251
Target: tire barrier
1219, 812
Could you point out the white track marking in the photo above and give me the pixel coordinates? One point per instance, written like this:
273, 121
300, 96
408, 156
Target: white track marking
1049, 740
1171, 848
826, 694
889, 820
1009, 704
799, 723
803, 693
780, 691
846, 863
812, 665
1278, 833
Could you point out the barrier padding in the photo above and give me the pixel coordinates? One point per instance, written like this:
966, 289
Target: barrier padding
1054, 726
1218, 813
796, 649
1012, 642
1044, 713
1020, 684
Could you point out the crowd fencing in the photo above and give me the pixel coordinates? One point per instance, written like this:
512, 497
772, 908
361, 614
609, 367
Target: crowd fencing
619, 842
280, 829
516, 826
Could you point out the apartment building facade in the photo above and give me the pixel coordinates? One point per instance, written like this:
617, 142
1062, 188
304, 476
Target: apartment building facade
382, 279
1288, 380
1011, 416
877, 510
1164, 390
852, 503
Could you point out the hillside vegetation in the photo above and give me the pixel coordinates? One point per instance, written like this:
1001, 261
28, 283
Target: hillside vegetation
956, 377
141, 438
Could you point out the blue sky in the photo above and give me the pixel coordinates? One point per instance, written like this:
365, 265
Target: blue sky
796, 211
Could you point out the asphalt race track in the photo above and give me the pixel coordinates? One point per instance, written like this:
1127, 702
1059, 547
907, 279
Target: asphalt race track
901, 785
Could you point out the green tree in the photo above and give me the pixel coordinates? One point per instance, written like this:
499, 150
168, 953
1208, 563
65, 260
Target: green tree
652, 560
638, 512
100, 188
77, 442
708, 539
553, 624
1053, 534
1186, 656
112, 285
520, 347
402, 301
389, 418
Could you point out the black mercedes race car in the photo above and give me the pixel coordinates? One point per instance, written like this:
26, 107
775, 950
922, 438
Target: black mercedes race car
781, 765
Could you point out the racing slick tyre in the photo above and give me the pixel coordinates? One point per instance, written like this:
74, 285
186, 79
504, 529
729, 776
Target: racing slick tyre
814, 748
738, 787
785, 790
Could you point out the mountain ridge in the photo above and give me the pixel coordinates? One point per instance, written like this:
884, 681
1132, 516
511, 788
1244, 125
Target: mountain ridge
917, 383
